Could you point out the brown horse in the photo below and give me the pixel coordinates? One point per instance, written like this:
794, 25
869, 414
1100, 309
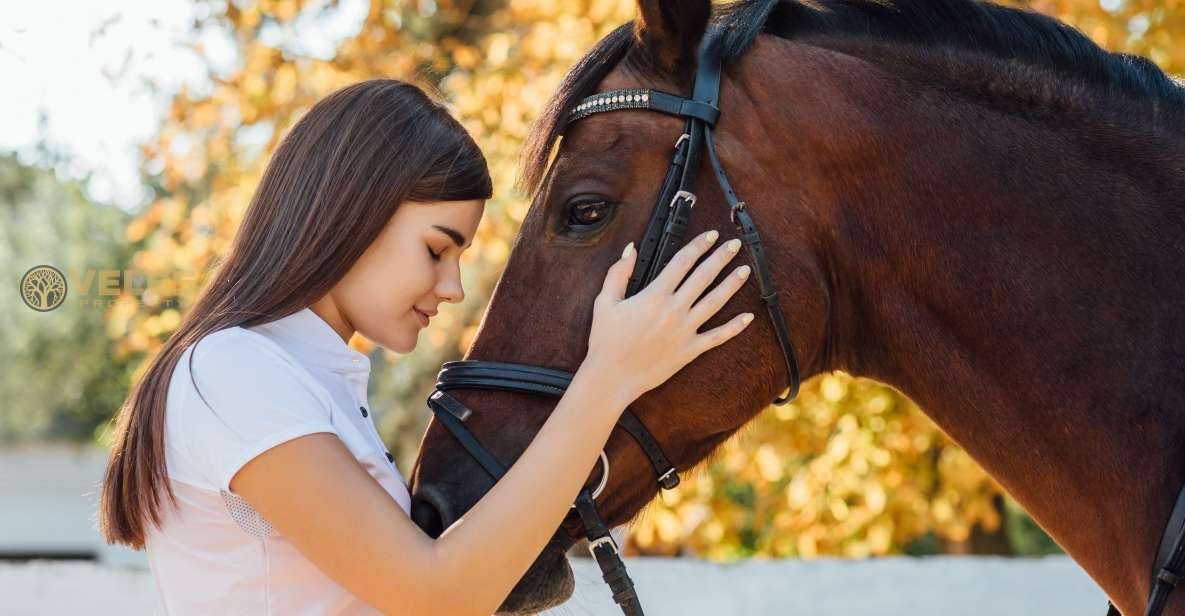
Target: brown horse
974, 204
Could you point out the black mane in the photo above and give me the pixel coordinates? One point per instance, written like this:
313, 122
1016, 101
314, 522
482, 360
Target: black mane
1010, 34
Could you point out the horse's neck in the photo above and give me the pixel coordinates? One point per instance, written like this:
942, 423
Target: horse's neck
1025, 290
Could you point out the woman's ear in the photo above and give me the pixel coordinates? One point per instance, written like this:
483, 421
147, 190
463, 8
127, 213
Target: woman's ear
670, 31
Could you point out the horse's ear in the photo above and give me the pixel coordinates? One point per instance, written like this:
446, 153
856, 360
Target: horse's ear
670, 31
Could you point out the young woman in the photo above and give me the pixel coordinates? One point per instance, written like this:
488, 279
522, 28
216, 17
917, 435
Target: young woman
253, 418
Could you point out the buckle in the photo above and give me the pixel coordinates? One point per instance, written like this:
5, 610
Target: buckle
732, 213
684, 195
681, 139
670, 477
604, 459
606, 540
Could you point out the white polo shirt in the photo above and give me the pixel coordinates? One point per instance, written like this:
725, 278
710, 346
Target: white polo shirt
262, 386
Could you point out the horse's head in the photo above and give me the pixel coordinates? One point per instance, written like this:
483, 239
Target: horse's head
597, 195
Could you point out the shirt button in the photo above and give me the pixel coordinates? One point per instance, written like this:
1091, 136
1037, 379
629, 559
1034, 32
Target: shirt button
390, 458
363, 409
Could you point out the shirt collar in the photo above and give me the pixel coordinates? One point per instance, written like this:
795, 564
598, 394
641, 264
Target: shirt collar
311, 338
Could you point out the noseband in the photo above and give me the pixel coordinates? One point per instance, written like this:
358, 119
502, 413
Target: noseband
663, 237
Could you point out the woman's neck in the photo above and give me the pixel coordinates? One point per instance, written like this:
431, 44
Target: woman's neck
327, 309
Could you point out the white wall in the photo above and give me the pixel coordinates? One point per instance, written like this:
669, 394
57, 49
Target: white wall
48, 498
938, 586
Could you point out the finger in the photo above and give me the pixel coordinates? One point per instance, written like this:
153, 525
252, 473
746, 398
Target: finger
677, 268
618, 276
719, 335
705, 308
706, 272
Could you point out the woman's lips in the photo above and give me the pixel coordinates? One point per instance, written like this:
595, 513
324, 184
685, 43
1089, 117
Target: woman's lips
421, 316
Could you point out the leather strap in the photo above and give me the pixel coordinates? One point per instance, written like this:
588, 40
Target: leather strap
499, 376
605, 552
684, 108
442, 401
643, 271
1169, 568
521, 378
1168, 548
651, 100
675, 231
668, 477
739, 213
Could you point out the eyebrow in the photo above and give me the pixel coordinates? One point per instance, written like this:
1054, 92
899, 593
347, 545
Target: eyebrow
453, 234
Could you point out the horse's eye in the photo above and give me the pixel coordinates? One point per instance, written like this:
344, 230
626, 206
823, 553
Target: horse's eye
588, 213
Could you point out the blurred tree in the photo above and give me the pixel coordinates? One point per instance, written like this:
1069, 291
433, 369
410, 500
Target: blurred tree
212, 147
852, 468
1150, 28
58, 381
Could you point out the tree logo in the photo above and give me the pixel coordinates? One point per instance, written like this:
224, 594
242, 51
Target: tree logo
43, 288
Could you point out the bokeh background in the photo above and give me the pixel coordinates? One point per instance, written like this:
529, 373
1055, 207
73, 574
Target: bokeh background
135, 135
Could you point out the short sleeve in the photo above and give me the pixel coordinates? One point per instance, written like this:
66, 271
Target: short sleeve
252, 398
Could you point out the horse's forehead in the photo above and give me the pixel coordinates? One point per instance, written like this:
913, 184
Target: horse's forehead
625, 76
618, 132
619, 78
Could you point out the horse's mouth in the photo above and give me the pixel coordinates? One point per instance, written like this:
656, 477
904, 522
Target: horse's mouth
548, 583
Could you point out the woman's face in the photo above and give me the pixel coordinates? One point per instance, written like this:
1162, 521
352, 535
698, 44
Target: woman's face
409, 269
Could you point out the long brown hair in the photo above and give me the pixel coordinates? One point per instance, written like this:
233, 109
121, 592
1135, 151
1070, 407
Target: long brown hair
334, 181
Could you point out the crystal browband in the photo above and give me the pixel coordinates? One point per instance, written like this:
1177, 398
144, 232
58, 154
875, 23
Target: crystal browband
639, 98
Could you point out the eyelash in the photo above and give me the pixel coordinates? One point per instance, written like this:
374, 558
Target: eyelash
434, 256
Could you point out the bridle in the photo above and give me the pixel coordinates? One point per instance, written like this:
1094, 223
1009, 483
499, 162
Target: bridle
1168, 569
663, 237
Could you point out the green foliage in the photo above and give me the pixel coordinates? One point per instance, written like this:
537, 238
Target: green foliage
58, 381
1024, 536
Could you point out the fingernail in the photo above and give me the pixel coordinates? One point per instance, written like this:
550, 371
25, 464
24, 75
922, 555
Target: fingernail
733, 245
628, 252
743, 272
711, 236
746, 318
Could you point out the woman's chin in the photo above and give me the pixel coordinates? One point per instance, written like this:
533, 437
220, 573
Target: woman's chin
401, 342
403, 347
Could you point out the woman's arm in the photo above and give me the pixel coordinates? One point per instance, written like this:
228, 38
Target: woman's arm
313, 491
316, 494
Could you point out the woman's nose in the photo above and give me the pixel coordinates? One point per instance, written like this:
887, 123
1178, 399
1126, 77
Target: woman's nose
450, 289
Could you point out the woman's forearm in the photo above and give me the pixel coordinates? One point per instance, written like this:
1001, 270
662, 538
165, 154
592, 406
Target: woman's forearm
496, 541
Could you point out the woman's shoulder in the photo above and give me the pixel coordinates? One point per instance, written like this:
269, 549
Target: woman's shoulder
239, 354
247, 365
235, 393
235, 343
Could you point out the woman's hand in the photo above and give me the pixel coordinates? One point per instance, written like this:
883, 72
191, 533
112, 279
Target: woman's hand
643, 340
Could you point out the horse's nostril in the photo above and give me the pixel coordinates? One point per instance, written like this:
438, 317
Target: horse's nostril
427, 517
